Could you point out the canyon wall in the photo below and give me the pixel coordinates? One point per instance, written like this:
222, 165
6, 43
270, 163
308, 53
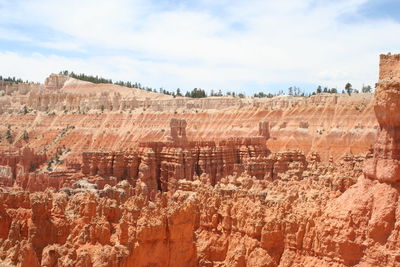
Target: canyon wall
82, 116
287, 181
329, 129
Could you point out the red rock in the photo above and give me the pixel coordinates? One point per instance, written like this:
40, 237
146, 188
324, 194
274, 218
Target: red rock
254, 187
385, 164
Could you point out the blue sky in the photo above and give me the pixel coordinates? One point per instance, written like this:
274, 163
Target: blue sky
244, 46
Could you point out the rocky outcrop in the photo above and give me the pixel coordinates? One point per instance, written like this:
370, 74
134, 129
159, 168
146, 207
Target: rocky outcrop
6, 176
46, 100
20, 88
112, 226
19, 161
157, 163
37, 182
263, 129
240, 221
385, 164
178, 131
55, 81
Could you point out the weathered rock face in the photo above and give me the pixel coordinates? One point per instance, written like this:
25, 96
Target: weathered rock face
55, 81
178, 131
240, 221
156, 163
290, 220
63, 93
112, 226
18, 162
385, 164
263, 129
329, 129
207, 192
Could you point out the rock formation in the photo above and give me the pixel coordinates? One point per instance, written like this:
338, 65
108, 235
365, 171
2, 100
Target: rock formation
155, 163
385, 164
18, 162
178, 131
286, 181
193, 224
55, 81
109, 117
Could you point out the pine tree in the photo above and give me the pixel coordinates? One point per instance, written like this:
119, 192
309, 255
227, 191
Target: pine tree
366, 89
349, 88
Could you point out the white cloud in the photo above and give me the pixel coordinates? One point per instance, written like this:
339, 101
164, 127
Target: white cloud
10, 35
209, 45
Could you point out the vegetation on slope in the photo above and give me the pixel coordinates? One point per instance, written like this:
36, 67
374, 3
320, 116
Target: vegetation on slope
11, 79
198, 92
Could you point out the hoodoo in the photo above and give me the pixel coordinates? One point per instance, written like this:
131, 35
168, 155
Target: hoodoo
385, 164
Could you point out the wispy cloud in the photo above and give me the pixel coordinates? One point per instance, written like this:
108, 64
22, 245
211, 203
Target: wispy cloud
229, 45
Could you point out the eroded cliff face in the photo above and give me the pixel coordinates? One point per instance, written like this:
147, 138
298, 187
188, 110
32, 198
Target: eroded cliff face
14, 163
116, 226
157, 163
240, 221
280, 182
385, 165
330, 129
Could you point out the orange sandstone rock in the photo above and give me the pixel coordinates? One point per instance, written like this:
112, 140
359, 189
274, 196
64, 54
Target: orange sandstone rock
277, 182
385, 164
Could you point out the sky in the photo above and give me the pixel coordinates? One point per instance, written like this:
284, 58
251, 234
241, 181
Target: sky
243, 46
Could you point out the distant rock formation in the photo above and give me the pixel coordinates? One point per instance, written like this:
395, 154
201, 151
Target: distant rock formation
55, 81
263, 129
18, 162
156, 163
178, 131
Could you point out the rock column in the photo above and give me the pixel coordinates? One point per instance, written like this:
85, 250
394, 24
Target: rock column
385, 164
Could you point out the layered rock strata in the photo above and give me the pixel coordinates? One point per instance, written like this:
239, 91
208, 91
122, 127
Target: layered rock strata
240, 221
18, 162
156, 163
204, 195
113, 118
55, 82
385, 164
